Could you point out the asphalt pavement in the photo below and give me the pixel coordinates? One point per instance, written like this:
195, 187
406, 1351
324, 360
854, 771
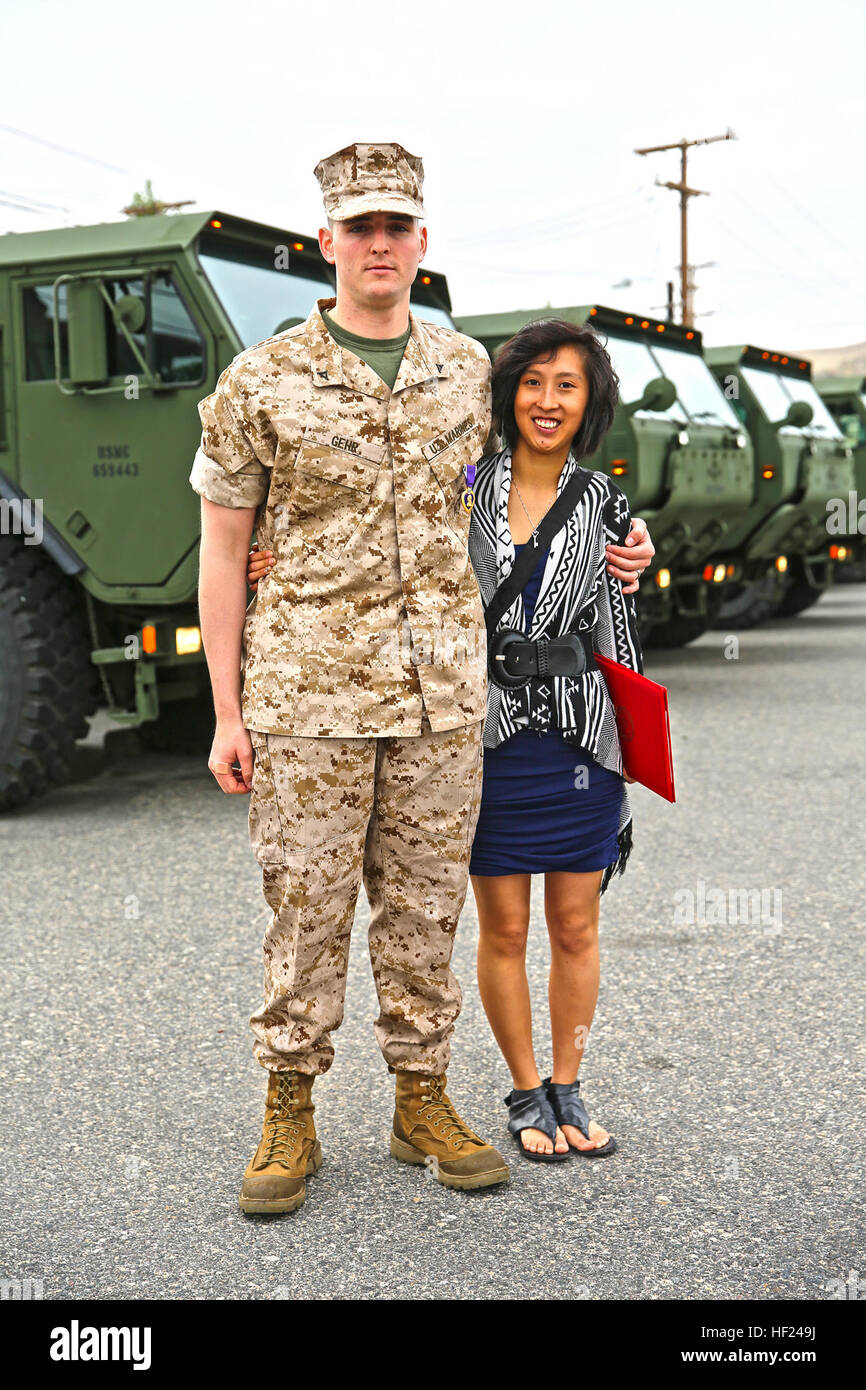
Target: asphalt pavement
727, 1055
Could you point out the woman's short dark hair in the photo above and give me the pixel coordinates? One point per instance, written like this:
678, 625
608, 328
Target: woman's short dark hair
540, 342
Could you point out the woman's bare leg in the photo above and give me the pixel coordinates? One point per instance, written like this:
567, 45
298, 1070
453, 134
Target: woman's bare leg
571, 906
503, 921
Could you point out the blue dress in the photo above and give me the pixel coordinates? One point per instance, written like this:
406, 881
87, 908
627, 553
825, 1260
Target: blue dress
546, 805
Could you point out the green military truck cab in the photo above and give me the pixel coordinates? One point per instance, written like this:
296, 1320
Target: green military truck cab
676, 448
802, 461
845, 398
109, 336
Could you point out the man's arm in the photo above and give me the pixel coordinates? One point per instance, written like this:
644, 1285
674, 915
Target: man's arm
626, 562
222, 601
231, 473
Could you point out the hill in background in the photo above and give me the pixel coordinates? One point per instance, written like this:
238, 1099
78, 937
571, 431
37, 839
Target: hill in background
837, 361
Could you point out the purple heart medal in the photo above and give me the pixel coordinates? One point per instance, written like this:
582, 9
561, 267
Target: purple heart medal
467, 496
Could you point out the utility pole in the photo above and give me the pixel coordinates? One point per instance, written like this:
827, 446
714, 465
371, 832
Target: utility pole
687, 285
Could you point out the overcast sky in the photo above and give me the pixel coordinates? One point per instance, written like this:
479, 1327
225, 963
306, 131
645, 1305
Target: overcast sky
526, 115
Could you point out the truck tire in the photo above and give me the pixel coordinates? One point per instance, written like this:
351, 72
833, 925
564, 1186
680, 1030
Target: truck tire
800, 593
753, 604
48, 684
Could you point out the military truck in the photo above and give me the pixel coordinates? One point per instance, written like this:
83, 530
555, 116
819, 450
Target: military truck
109, 335
845, 398
677, 450
786, 554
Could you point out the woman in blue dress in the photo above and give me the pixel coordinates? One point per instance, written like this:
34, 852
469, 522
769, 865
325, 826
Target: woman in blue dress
553, 794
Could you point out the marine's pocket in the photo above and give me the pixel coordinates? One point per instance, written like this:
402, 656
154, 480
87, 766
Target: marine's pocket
332, 480
266, 834
448, 453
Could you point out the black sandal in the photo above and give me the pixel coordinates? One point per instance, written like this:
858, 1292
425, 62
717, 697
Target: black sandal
533, 1110
569, 1109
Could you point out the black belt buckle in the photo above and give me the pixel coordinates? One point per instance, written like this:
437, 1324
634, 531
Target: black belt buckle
504, 660
513, 660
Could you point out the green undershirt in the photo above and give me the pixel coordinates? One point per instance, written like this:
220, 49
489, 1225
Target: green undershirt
383, 355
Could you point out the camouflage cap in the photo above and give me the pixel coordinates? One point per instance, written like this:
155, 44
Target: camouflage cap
371, 178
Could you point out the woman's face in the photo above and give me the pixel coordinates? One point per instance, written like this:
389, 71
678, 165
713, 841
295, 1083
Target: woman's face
550, 401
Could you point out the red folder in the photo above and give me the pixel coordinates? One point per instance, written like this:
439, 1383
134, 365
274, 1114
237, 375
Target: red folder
644, 726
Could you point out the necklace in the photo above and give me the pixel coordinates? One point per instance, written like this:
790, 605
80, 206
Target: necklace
533, 524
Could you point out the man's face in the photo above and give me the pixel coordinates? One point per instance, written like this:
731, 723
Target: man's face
376, 255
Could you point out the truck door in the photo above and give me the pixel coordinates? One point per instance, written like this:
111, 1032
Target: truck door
111, 460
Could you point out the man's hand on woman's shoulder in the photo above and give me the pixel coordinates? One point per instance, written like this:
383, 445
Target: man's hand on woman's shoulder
627, 562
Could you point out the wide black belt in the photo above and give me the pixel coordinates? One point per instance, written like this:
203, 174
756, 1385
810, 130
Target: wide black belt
513, 660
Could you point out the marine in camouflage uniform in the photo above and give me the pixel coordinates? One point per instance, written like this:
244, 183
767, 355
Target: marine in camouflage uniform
364, 691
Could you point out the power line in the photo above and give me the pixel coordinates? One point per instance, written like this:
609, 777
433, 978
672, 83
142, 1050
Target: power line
810, 216
64, 149
786, 240
560, 221
29, 204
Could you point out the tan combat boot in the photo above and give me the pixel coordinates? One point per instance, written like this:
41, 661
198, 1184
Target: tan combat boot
289, 1149
428, 1130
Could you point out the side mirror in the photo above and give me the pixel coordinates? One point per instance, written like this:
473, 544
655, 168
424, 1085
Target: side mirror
658, 394
88, 348
286, 323
131, 309
799, 415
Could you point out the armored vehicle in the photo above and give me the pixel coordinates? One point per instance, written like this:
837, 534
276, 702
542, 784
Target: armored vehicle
845, 398
109, 335
785, 551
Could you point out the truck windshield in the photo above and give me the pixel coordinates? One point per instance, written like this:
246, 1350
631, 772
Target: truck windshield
634, 365
775, 393
432, 313
256, 295
699, 397
697, 388
822, 422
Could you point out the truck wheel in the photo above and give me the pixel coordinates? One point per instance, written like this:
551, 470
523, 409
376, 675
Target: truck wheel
48, 685
800, 593
753, 604
183, 727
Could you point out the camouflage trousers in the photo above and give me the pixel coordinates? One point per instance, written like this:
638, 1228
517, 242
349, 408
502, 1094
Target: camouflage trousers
399, 813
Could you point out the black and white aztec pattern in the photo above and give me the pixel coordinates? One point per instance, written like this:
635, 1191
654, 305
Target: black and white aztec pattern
576, 594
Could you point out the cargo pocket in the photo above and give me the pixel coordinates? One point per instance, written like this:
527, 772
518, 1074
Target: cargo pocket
266, 835
332, 481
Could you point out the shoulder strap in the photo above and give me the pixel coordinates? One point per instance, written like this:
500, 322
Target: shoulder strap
552, 521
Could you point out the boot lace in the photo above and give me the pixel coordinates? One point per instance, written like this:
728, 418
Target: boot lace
283, 1127
441, 1111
